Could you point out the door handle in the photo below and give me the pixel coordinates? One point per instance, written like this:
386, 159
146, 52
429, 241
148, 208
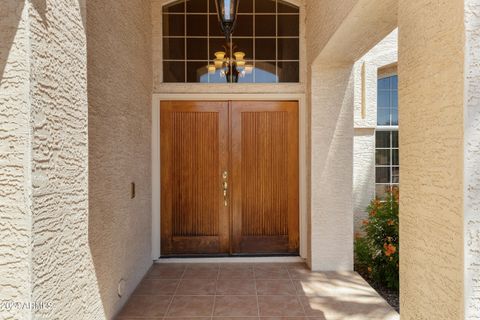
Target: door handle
225, 188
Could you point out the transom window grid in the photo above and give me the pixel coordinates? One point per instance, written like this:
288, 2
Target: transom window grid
387, 164
267, 31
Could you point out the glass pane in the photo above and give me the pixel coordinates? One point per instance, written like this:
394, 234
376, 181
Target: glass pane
244, 26
197, 6
382, 139
288, 71
173, 71
246, 77
395, 175
394, 139
395, 99
197, 49
394, 84
394, 117
395, 160
382, 175
265, 26
196, 25
384, 84
383, 100
383, 117
380, 190
217, 77
285, 7
244, 45
288, 26
215, 30
245, 6
174, 48
265, 49
177, 6
288, 49
197, 72
216, 44
265, 71
173, 25
265, 6
382, 157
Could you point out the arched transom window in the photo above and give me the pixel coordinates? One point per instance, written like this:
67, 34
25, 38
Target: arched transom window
267, 31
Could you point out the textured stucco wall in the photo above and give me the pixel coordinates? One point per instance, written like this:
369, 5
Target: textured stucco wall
15, 173
472, 160
431, 91
62, 269
331, 224
119, 93
383, 54
338, 34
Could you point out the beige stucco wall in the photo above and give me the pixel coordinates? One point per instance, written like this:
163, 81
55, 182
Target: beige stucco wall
15, 155
119, 96
472, 160
431, 91
338, 34
44, 252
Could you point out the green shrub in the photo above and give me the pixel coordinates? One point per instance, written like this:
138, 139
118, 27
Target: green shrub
377, 251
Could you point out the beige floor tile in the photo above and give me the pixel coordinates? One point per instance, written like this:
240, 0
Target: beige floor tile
236, 306
146, 306
246, 273
166, 271
200, 274
275, 287
271, 274
283, 306
236, 287
190, 287
191, 306
157, 287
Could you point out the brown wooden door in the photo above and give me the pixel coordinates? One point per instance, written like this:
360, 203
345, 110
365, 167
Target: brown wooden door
265, 177
256, 143
194, 154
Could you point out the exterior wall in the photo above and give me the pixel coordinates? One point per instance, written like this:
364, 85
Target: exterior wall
15, 159
472, 161
431, 91
120, 91
43, 163
365, 121
338, 34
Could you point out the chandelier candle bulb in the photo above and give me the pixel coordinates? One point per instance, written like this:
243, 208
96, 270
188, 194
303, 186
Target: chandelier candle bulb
220, 55
211, 68
241, 63
239, 55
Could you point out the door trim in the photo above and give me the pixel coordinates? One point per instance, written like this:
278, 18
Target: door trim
303, 135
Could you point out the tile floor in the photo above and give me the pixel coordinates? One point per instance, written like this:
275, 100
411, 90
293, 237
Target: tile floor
262, 291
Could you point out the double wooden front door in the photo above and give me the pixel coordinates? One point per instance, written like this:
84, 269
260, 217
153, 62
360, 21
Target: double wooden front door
229, 177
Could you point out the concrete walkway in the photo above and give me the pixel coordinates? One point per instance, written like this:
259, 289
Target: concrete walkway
262, 291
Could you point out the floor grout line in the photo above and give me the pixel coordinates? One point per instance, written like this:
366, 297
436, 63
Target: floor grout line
296, 293
174, 293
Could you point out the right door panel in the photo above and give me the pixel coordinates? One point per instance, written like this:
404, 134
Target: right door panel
265, 177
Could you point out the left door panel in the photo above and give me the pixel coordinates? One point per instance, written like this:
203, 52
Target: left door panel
194, 157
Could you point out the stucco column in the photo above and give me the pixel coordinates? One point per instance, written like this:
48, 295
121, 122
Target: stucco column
331, 218
46, 269
439, 110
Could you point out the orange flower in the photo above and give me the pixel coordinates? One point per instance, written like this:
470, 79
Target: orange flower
358, 235
365, 222
390, 222
369, 269
373, 213
389, 249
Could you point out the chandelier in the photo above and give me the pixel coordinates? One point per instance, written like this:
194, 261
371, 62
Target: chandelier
231, 63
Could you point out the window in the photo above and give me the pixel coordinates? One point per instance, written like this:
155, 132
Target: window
387, 165
266, 30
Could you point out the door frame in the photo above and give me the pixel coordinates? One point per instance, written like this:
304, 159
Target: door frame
303, 136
